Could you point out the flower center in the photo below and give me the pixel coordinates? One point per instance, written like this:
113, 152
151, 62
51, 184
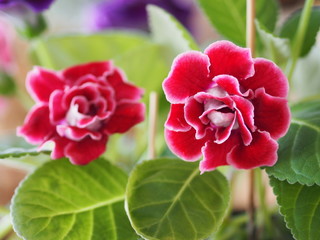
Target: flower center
219, 114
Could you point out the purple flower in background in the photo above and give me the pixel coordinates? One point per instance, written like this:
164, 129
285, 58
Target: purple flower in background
35, 5
132, 13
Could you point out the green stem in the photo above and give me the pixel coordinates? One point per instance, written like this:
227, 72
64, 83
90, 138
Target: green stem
299, 37
263, 213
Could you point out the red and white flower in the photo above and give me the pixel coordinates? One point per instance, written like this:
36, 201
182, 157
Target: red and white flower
227, 106
79, 108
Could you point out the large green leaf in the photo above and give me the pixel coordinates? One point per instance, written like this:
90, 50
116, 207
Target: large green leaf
64, 201
305, 79
299, 152
169, 199
229, 16
168, 32
300, 205
290, 27
277, 49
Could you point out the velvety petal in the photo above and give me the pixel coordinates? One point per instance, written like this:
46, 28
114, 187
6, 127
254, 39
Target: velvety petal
216, 102
77, 134
89, 91
59, 145
272, 114
228, 58
125, 116
122, 88
85, 151
223, 133
246, 109
188, 75
215, 155
97, 69
37, 127
176, 120
193, 111
231, 85
184, 144
261, 152
41, 83
56, 108
268, 76
245, 133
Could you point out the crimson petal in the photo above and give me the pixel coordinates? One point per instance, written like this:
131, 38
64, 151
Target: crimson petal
176, 120
97, 69
57, 109
261, 152
184, 144
228, 58
215, 155
230, 84
41, 83
37, 127
268, 76
122, 88
125, 116
193, 111
272, 114
188, 75
85, 151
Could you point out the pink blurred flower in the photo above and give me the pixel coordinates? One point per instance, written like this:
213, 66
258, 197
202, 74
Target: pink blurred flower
226, 106
79, 108
6, 49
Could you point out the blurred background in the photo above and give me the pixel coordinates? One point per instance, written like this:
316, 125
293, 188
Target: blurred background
85, 17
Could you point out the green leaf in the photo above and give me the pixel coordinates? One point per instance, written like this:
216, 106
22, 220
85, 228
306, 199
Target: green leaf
229, 16
290, 27
277, 49
64, 201
169, 199
7, 84
168, 32
21, 152
305, 79
300, 205
299, 151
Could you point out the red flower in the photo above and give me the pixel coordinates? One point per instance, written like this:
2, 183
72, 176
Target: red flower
226, 106
79, 108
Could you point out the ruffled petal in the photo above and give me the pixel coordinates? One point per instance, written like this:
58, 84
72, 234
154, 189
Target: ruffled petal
261, 152
41, 83
123, 89
37, 127
176, 120
268, 76
228, 58
193, 111
85, 151
223, 133
125, 116
184, 144
272, 114
97, 69
231, 85
215, 155
188, 75
246, 109
56, 108
77, 134
59, 146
